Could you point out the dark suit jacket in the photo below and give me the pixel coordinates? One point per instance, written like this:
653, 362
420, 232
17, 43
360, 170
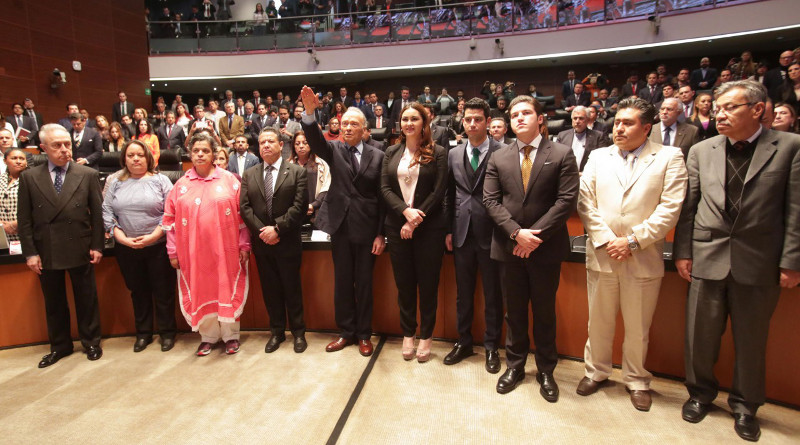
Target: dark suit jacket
27, 123
256, 126
654, 98
766, 234
38, 115
289, 205
441, 136
627, 89
60, 227
385, 122
176, 138
354, 196
571, 101
594, 139
249, 160
466, 213
91, 146
773, 80
567, 89
116, 111
685, 136
703, 133
550, 199
428, 195
697, 76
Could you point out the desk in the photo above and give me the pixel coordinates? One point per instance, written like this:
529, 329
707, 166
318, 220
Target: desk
22, 320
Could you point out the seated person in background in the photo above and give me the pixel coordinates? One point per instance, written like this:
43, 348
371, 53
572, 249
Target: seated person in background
498, 130
501, 110
149, 138
318, 175
115, 140
128, 127
333, 129
579, 97
15, 161
785, 118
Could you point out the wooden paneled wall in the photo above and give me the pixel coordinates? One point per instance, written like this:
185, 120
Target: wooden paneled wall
106, 36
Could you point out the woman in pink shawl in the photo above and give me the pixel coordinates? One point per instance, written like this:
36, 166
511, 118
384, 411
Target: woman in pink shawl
209, 245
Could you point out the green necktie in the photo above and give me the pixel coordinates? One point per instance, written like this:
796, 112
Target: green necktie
475, 157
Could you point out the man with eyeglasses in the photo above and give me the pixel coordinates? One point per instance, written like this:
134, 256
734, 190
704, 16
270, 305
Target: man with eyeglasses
776, 76
671, 132
470, 236
738, 243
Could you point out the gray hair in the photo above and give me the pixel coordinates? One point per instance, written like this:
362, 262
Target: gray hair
579, 109
677, 101
47, 130
359, 113
753, 91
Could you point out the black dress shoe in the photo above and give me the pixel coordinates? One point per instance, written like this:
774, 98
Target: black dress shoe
141, 344
167, 344
746, 427
300, 344
94, 352
693, 411
458, 353
492, 361
548, 386
509, 380
273, 343
52, 358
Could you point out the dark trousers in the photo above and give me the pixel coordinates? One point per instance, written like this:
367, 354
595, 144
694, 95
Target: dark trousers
352, 290
469, 259
527, 282
149, 277
750, 309
417, 263
87, 310
282, 291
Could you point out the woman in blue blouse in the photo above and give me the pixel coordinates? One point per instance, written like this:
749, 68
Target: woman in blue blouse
132, 211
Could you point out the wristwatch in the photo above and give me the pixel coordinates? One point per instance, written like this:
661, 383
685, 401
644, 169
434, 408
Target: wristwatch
514, 235
632, 243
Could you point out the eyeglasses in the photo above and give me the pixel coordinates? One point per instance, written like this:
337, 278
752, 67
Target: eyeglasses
730, 108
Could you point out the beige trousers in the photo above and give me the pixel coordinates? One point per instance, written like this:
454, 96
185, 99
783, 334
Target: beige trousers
212, 330
636, 298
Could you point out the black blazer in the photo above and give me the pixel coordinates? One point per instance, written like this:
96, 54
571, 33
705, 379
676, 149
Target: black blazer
116, 111
176, 138
550, 199
60, 227
697, 76
464, 199
571, 101
656, 97
594, 139
354, 196
441, 136
428, 196
289, 206
702, 132
91, 146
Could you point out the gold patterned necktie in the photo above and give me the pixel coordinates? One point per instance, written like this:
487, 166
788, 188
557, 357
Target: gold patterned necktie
527, 164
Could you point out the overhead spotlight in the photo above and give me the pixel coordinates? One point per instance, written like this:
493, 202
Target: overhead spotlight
473, 43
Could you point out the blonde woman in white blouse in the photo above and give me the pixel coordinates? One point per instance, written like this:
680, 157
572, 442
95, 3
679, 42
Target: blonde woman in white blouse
413, 184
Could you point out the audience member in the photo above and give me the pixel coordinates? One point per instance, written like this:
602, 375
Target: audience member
789, 92
171, 135
703, 118
121, 108
670, 132
242, 159
230, 126
318, 173
87, 145
66, 122
149, 139
785, 118
115, 141
705, 77
15, 162
580, 138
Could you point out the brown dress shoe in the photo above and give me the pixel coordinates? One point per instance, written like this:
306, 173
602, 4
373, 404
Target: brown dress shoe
338, 344
641, 399
365, 347
587, 386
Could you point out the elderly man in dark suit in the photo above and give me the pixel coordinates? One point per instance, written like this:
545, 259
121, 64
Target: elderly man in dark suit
671, 132
273, 204
737, 242
61, 230
470, 237
353, 214
530, 190
580, 138
87, 144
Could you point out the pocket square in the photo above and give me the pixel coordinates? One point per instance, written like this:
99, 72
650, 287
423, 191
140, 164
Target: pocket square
548, 163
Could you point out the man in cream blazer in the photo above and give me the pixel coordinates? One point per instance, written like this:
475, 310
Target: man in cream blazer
630, 198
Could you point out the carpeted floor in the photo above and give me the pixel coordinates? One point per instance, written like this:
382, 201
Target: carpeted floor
288, 398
